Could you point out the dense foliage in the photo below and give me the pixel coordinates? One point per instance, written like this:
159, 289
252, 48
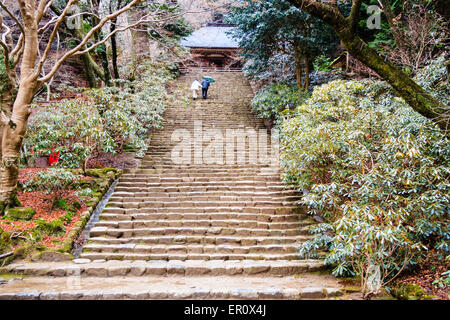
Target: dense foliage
53, 181
375, 171
271, 101
420, 34
108, 120
277, 33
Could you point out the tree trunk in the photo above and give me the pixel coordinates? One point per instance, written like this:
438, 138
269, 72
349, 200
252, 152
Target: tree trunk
89, 70
101, 50
114, 39
307, 80
414, 95
114, 57
345, 27
12, 139
299, 68
104, 57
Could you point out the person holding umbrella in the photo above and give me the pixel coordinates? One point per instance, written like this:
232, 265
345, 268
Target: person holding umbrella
205, 86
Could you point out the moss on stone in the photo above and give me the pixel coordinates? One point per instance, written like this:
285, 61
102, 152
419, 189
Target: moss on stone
5, 242
101, 173
411, 291
76, 205
20, 213
61, 204
15, 201
54, 228
97, 194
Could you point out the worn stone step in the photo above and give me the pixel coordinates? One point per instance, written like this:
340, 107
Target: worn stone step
194, 249
166, 201
188, 256
127, 233
184, 188
303, 220
174, 287
160, 267
196, 239
198, 178
282, 193
142, 208
144, 223
188, 182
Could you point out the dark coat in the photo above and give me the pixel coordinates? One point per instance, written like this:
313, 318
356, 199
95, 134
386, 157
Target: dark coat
205, 84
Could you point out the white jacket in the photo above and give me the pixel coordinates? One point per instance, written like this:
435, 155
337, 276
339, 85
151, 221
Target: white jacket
196, 85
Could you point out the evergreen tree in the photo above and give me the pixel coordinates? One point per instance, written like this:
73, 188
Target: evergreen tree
268, 28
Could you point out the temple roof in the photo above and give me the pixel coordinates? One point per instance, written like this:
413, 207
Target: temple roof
211, 37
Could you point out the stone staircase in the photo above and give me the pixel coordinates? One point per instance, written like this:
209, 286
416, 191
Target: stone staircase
212, 212
230, 219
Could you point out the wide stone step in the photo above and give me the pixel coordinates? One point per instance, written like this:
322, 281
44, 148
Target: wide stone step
160, 267
195, 172
133, 232
144, 223
191, 249
187, 256
282, 193
230, 183
142, 208
206, 216
200, 188
196, 239
197, 178
201, 199
173, 166
155, 287
209, 206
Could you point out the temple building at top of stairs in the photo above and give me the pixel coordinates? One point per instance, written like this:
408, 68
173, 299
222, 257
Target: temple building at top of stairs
213, 48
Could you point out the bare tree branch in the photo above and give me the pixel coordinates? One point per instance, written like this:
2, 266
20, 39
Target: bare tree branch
4, 7
53, 35
18, 51
85, 40
131, 26
26, 11
353, 18
42, 9
3, 43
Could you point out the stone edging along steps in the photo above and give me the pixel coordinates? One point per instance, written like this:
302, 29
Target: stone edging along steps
167, 220
169, 288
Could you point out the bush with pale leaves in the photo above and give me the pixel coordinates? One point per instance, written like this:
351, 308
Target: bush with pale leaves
376, 171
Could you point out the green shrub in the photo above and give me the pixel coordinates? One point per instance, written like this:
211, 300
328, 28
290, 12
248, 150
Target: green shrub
73, 128
131, 108
271, 101
61, 204
53, 181
378, 173
322, 63
68, 216
107, 120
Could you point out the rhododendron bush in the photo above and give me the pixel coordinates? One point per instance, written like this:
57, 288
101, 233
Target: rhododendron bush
375, 172
107, 120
